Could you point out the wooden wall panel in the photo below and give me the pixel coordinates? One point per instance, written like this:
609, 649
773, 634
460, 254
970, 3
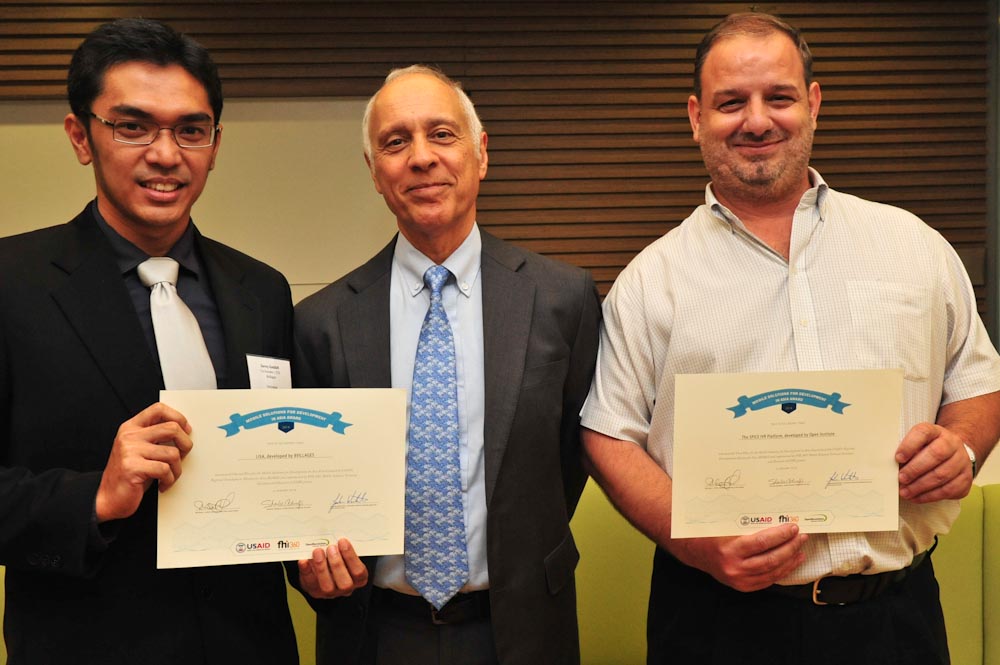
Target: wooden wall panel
591, 156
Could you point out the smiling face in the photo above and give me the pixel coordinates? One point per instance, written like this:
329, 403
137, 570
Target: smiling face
424, 163
755, 118
146, 193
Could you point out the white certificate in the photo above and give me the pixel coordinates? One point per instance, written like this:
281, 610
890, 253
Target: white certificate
274, 474
753, 451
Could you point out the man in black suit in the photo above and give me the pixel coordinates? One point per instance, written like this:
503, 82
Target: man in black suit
82, 437
525, 339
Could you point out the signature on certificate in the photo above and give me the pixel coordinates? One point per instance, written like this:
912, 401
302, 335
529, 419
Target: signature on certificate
728, 482
355, 498
284, 504
845, 477
786, 482
216, 506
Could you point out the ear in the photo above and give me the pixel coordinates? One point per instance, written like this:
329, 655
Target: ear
694, 115
371, 170
483, 157
815, 98
215, 147
76, 130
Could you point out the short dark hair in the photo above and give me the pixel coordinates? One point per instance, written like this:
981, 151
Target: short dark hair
753, 24
137, 40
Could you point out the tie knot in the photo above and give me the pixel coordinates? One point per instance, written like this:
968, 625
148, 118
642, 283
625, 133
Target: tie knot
158, 269
435, 277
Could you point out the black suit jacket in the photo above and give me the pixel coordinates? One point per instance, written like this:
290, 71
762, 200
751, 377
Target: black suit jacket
540, 327
74, 365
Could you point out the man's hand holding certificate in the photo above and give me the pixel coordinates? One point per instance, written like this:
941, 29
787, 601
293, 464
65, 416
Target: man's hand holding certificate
812, 448
274, 474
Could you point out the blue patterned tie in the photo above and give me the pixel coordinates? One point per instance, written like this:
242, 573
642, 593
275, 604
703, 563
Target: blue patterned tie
437, 563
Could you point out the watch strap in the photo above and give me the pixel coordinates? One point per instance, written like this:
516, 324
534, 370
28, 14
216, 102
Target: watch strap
972, 458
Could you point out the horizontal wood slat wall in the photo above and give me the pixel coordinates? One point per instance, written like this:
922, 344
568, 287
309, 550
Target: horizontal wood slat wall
591, 156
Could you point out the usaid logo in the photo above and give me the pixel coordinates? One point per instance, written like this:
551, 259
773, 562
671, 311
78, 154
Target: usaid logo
756, 520
250, 548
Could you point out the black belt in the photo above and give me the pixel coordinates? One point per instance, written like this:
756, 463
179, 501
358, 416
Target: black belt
845, 590
461, 608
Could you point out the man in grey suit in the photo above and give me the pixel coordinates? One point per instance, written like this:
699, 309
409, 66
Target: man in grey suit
525, 340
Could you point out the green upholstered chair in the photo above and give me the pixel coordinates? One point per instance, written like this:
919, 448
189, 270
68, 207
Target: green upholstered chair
967, 564
958, 566
305, 626
612, 583
991, 575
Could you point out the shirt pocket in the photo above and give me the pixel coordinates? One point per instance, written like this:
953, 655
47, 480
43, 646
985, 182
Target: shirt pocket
891, 326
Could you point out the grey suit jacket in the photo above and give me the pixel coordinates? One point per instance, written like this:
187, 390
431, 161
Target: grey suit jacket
74, 365
540, 326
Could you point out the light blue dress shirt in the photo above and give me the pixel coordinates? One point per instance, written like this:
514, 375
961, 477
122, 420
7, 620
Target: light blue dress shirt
463, 301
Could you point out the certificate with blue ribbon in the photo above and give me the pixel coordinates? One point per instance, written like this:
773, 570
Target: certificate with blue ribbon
752, 451
274, 474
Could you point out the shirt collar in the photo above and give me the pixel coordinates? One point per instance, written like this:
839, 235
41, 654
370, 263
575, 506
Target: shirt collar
815, 196
818, 192
128, 256
463, 263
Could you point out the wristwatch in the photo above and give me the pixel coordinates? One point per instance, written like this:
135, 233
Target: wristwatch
972, 458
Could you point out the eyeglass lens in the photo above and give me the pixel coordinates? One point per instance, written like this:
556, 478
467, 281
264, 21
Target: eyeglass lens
188, 135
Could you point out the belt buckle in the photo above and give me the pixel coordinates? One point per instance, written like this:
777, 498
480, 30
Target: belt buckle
816, 591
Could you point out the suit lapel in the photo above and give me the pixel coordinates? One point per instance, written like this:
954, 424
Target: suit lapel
364, 323
508, 301
97, 306
239, 312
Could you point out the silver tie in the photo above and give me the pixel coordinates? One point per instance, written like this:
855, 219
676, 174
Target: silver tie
184, 359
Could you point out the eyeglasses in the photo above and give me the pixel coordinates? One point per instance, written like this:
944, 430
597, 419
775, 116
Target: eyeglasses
144, 132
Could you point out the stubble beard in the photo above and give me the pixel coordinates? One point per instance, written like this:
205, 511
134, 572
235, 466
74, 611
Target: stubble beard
764, 179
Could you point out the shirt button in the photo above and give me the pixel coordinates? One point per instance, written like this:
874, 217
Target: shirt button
804, 323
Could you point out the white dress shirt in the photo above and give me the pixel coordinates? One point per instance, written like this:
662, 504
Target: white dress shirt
866, 285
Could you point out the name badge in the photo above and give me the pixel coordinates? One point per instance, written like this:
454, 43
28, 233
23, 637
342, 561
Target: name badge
268, 372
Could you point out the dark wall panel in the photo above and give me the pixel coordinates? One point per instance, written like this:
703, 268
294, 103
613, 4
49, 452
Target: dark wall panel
591, 156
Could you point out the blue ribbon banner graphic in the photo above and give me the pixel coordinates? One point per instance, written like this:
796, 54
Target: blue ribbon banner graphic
788, 398
285, 418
